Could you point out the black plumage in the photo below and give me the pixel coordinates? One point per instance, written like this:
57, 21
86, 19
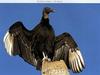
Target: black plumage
30, 44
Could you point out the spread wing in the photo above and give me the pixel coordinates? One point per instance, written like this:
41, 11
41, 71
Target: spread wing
17, 42
67, 49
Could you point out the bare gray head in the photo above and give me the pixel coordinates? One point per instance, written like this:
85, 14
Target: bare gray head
47, 11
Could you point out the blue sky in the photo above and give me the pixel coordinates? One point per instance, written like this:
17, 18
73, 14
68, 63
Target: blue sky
82, 21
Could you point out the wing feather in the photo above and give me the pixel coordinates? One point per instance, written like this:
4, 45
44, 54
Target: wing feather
70, 52
81, 58
8, 40
17, 43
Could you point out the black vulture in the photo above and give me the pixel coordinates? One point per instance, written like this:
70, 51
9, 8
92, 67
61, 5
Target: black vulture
31, 44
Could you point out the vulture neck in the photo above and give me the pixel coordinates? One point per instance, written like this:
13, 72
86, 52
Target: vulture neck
45, 19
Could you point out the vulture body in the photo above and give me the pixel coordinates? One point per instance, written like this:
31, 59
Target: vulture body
31, 44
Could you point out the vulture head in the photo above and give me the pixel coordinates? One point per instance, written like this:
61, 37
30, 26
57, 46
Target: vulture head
47, 10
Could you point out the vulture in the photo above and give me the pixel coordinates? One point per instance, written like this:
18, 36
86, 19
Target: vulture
32, 44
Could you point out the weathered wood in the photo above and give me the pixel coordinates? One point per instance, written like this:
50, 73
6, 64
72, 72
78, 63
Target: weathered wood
54, 68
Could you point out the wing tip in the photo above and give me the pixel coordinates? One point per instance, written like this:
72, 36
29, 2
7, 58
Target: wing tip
8, 43
76, 61
5, 36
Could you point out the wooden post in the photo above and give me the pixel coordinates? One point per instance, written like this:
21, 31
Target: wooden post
54, 68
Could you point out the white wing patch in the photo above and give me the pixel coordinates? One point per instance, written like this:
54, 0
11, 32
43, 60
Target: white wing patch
8, 41
76, 61
79, 54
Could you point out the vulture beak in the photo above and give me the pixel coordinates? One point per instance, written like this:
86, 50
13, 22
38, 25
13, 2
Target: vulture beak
52, 10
